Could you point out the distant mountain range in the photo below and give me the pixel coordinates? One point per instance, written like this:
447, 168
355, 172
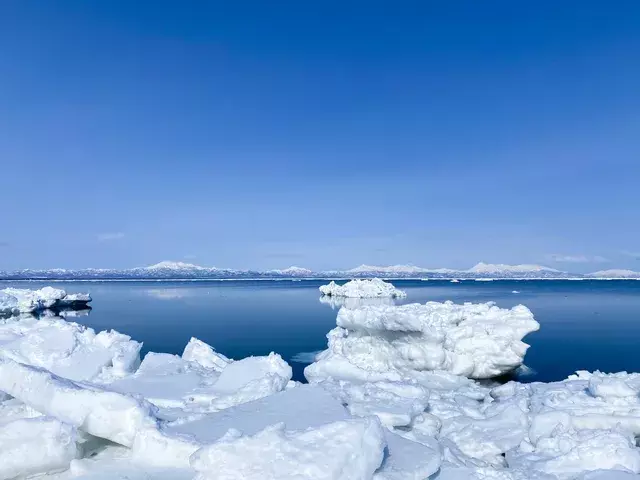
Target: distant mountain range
185, 271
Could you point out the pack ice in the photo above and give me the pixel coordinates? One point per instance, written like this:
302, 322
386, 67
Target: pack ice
366, 288
394, 397
14, 301
396, 342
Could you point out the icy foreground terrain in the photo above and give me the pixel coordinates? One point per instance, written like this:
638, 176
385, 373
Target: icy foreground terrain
390, 399
372, 288
14, 301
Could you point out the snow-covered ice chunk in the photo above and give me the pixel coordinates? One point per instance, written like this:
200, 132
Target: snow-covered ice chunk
100, 412
376, 343
343, 450
35, 445
367, 288
203, 380
301, 408
396, 404
67, 349
203, 354
8, 305
23, 300
568, 453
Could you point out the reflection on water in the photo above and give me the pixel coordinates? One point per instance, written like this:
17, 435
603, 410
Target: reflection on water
305, 357
351, 303
75, 313
62, 313
168, 293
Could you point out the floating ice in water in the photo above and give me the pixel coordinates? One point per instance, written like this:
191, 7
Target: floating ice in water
367, 288
515, 291
455, 280
204, 416
21, 300
393, 343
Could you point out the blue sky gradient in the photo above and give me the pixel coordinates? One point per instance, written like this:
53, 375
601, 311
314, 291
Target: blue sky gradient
321, 134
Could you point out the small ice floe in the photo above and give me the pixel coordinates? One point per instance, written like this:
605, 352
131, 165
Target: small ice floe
515, 291
455, 280
14, 301
367, 288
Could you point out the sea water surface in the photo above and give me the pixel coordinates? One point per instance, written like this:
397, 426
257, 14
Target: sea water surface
585, 325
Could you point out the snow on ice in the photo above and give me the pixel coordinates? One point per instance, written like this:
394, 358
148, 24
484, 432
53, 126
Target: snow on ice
67, 349
394, 397
14, 301
394, 342
368, 288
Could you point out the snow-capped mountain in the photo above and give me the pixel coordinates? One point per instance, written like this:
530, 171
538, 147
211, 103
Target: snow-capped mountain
615, 273
168, 265
182, 270
501, 270
393, 269
292, 272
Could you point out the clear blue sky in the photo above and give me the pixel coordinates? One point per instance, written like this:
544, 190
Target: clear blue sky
321, 134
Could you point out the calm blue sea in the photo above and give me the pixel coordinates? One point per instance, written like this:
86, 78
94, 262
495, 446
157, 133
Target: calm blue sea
585, 325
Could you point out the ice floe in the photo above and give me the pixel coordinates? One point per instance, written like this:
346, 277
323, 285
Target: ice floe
393, 342
367, 288
14, 301
394, 397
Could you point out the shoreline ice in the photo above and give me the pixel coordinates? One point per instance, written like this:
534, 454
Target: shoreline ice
390, 399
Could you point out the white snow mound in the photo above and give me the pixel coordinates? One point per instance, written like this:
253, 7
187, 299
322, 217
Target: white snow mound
394, 342
367, 288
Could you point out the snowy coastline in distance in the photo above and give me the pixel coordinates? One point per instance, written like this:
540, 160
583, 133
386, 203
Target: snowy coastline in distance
168, 270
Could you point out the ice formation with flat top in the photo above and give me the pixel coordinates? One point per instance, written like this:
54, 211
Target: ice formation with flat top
394, 397
367, 288
394, 342
14, 301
